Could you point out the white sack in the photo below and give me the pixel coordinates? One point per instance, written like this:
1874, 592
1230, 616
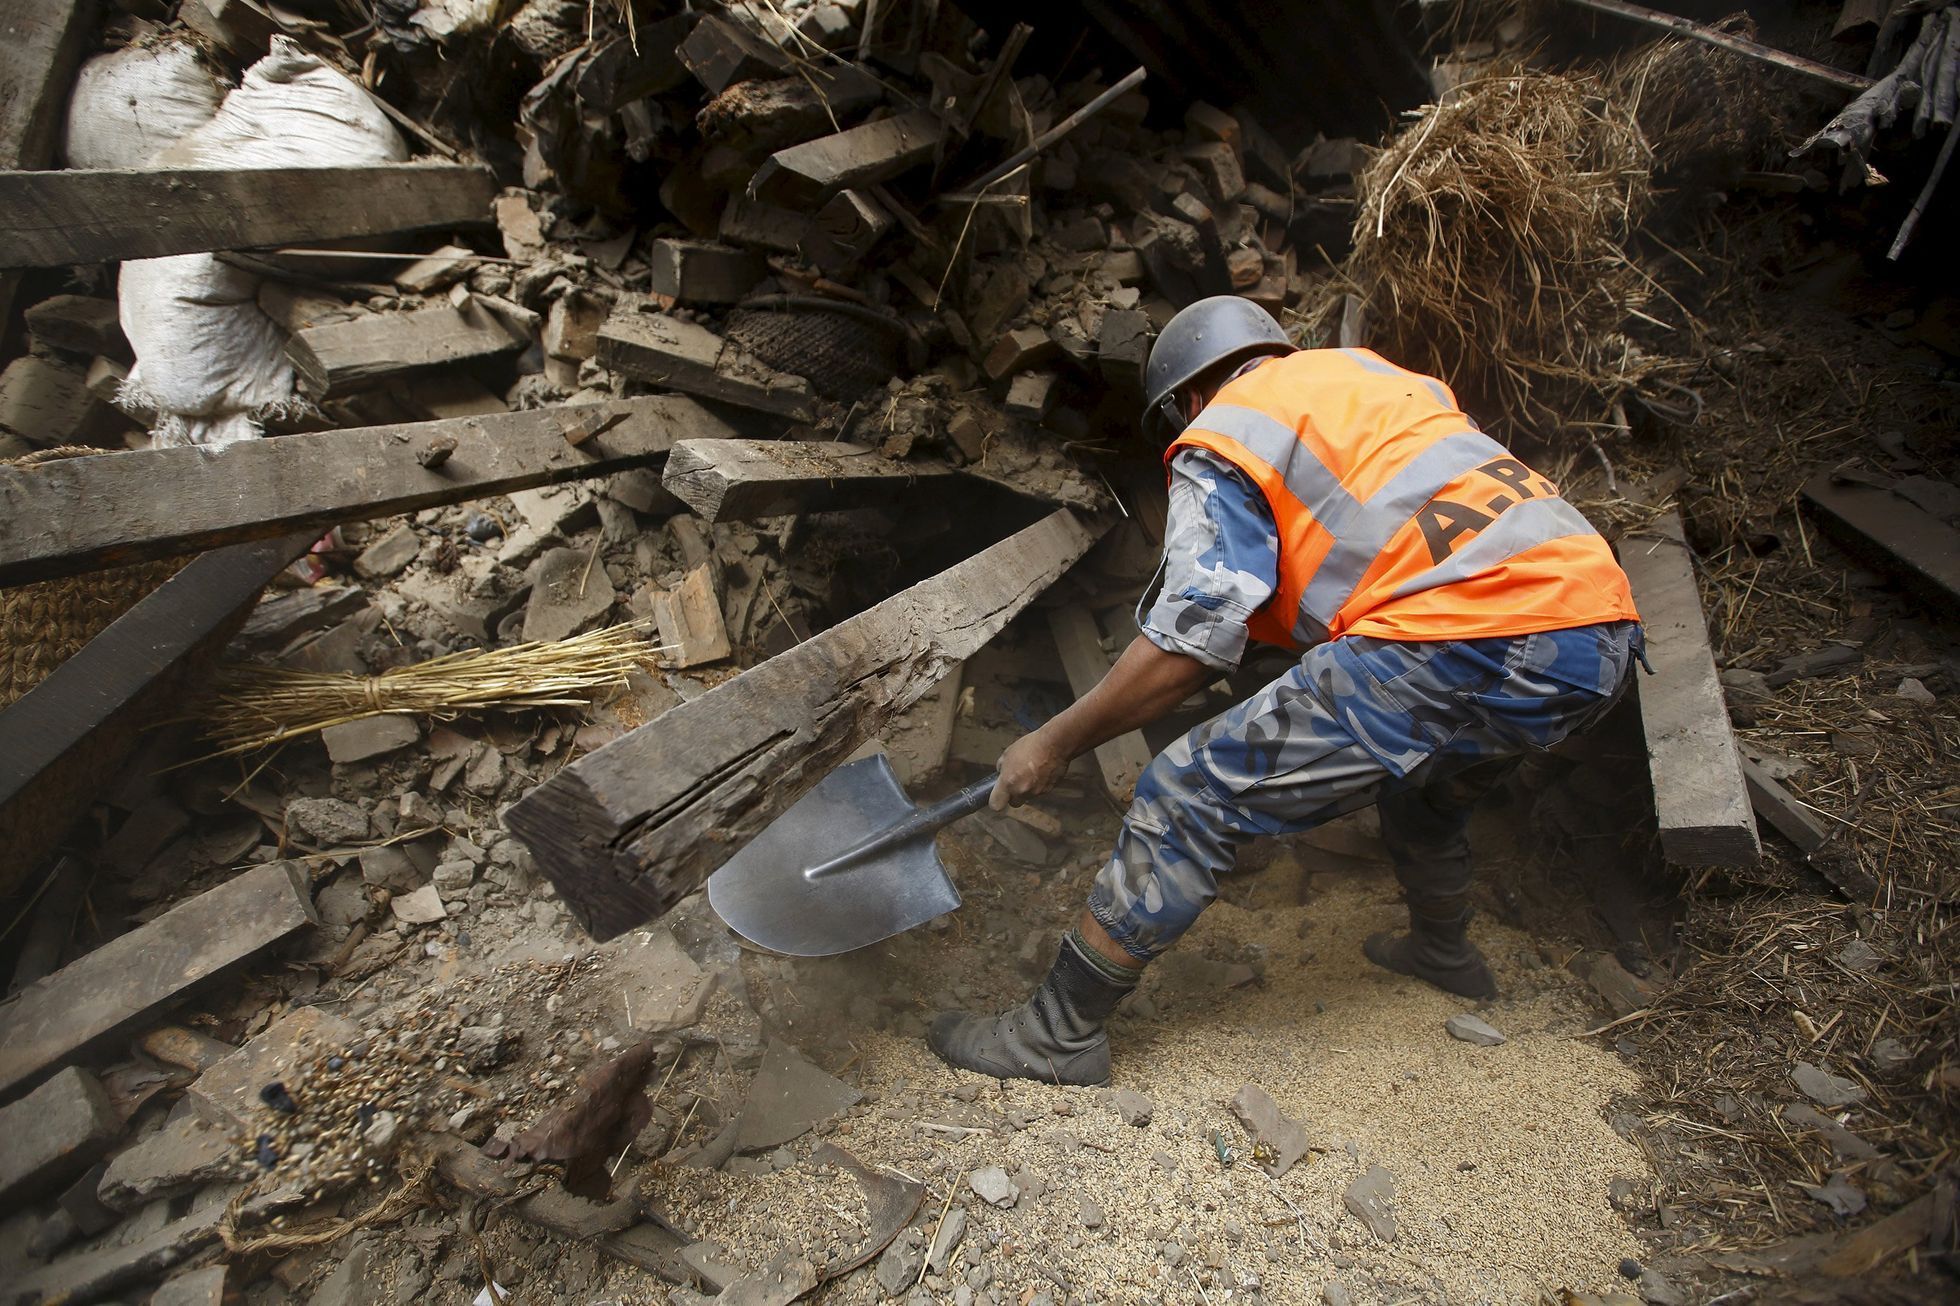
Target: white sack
208, 359
131, 104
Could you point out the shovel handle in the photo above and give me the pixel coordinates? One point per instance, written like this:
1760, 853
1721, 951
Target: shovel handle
924, 821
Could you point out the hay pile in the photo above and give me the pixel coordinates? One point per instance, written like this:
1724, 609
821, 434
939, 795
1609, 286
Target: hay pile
1490, 246
1706, 112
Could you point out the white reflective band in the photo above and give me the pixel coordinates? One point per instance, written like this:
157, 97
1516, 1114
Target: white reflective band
1280, 447
1525, 526
1359, 542
1382, 367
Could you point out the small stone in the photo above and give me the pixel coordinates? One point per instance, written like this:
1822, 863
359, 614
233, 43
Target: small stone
1278, 1139
1472, 1029
327, 822
947, 1241
382, 1133
1889, 1056
992, 1186
1165, 1160
1913, 690
1629, 1268
1824, 1088
1131, 1107
389, 555
389, 868
453, 878
898, 1268
373, 736
1840, 1194
1655, 1290
1335, 1295
1089, 1212
1371, 1199
1173, 1254
422, 907
1859, 956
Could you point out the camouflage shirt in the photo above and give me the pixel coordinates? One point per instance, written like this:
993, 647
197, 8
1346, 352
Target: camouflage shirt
1221, 561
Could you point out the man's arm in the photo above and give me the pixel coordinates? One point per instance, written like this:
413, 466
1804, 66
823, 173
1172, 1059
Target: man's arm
1145, 683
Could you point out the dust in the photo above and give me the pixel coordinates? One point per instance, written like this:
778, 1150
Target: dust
1501, 1157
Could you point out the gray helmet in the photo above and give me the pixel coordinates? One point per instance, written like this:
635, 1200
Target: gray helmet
1221, 329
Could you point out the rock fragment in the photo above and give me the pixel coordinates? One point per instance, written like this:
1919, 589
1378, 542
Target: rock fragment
54, 1133
1473, 1029
992, 1186
898, 1268
1824, 1088
422, 907
1278, 1140
1130, 1106
947, 1241
1371, 1199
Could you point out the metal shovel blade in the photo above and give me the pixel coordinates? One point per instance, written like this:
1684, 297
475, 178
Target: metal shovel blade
763, 894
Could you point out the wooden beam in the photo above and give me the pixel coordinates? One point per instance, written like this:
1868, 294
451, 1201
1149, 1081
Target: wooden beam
63, 740
52, 219
1700, 801
1123, 758
674, 354
134, 974
341, 357
174, 501
740, 480
628, 831
1694, 31
1781, 809
1888, 533
804, 176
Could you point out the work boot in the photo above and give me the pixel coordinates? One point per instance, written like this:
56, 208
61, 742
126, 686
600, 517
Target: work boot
1437, 948
1056, 1036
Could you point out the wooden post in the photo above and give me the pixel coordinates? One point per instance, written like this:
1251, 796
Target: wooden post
52, 219
804, 176
131, 976
174, 501
41, 45
1123, 758
1687, 27
739, 480
1700, 801
628, 831
674, 354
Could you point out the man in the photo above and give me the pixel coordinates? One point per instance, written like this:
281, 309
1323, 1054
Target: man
1455, 613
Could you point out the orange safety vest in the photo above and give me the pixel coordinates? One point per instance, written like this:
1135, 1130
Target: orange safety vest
1397, 518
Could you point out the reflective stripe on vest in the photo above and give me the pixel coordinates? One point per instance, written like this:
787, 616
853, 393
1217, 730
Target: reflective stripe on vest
1415, 498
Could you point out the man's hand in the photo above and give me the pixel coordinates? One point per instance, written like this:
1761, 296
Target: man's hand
1145, 683
1030, 766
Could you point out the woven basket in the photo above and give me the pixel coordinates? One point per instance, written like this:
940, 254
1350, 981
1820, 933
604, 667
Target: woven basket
45, 623
42, 624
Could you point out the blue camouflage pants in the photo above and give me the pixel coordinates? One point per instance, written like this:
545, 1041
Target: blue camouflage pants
1422, 729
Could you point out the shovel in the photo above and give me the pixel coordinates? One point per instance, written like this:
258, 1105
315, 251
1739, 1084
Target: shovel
851, 863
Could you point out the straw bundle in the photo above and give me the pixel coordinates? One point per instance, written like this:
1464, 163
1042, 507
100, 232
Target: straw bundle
1489, 245
255, 706
1706, 112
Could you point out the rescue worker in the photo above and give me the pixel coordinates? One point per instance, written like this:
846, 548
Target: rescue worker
1455, 613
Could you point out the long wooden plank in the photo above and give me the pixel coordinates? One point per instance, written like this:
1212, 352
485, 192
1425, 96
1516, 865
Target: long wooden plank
1700, 801
136, 973
1890, 534
51, 219
628, 831
1742, 45
78, 725
1123, 758
342, 357
739, 480
173, 501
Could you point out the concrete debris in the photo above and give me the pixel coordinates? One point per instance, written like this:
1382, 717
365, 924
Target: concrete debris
357, 741
1130, 1106
991, 1185
423, 906
1473, 1029
1371, 1199
54, 1133
898, 1269
1278, 1140
1824, 1088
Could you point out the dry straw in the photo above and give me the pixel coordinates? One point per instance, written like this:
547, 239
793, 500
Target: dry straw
1490, 242
256, 706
